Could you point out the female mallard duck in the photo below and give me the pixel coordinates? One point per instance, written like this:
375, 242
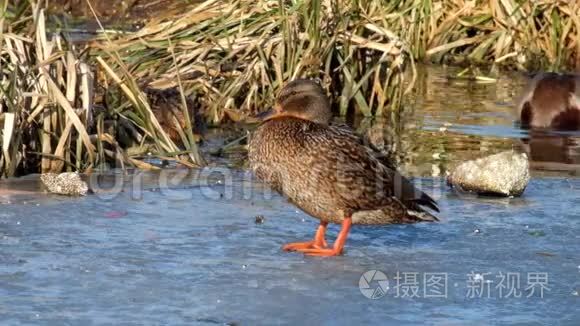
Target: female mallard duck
551, 101
328, 171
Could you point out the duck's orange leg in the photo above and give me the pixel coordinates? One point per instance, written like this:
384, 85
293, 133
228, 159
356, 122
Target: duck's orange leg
338, 243
319, 241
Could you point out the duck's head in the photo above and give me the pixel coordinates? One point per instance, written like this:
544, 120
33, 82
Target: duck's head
303, 99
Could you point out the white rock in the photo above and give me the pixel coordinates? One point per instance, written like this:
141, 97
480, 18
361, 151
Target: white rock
68, 183
505, 174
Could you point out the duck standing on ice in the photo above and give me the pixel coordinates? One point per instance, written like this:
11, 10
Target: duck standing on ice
328, 171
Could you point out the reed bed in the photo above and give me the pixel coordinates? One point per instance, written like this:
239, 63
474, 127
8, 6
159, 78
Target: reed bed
48, 119
45, 104
526, 35
237, 55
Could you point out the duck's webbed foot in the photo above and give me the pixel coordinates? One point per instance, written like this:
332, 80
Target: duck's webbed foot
319, 241
338, 244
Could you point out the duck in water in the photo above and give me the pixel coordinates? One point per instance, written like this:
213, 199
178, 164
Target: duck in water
551, 100
328, 171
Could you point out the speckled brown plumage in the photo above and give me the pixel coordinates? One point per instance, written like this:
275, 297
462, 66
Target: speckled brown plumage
551, 101
326, 169
328, 172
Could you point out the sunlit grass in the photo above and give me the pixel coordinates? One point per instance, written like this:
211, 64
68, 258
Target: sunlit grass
237, 55
48, 119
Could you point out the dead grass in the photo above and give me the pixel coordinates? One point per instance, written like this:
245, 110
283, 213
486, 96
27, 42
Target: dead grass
48, 121
237, 55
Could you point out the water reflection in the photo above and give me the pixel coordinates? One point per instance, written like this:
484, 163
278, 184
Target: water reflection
553, 151
447, 121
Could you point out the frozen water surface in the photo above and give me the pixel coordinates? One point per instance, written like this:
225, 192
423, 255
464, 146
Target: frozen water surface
186, 249
188, 256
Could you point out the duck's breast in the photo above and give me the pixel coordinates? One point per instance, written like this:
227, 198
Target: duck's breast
296, 159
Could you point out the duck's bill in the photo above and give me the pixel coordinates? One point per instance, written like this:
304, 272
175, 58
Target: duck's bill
266, 114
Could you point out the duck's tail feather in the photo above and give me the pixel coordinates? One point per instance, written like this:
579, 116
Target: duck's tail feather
426, 200
422, 216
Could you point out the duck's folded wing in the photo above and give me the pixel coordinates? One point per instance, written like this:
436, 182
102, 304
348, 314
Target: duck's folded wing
380, 171
364, 140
